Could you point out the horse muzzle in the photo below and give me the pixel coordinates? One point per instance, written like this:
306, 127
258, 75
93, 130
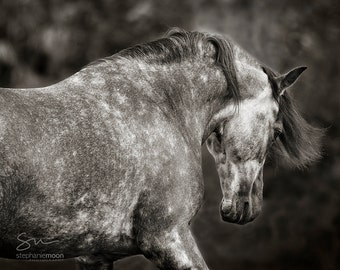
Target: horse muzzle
240, 212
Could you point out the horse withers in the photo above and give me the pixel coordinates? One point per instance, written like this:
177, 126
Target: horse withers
107, 163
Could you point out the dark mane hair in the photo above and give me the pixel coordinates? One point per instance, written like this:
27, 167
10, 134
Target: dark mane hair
299, 143
179, 44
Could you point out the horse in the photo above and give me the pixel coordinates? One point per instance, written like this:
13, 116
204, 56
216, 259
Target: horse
107, 163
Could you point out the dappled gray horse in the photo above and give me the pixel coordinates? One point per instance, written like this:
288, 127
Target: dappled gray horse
107, 163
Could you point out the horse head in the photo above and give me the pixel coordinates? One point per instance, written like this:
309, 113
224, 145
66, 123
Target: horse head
240, 143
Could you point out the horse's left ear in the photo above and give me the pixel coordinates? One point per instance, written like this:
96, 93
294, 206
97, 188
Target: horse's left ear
288, 79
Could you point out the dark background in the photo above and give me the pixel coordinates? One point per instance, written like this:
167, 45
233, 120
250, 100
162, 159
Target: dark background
42, 42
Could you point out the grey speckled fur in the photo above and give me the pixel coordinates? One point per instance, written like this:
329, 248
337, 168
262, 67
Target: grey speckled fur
107, 163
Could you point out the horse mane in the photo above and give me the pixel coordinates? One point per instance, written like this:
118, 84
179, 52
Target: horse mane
299, 143
178, 45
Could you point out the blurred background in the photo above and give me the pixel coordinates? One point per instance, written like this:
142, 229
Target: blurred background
45, 41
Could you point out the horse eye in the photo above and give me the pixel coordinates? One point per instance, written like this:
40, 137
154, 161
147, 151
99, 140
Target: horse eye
218, 135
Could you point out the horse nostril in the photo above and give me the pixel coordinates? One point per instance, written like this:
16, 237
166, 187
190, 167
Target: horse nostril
246, 207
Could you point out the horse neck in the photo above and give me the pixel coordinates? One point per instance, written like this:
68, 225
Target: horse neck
189, 93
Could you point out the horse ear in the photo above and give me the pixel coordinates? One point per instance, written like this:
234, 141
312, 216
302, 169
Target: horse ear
288, 79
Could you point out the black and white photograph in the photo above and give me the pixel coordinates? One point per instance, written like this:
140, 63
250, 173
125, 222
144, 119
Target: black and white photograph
175, 135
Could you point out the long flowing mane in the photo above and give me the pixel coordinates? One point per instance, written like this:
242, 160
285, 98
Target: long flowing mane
178, 44
299, 143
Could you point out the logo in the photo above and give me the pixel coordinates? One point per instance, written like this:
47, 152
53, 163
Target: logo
25, 243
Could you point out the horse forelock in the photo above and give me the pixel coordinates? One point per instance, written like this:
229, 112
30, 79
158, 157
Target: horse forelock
299, 144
